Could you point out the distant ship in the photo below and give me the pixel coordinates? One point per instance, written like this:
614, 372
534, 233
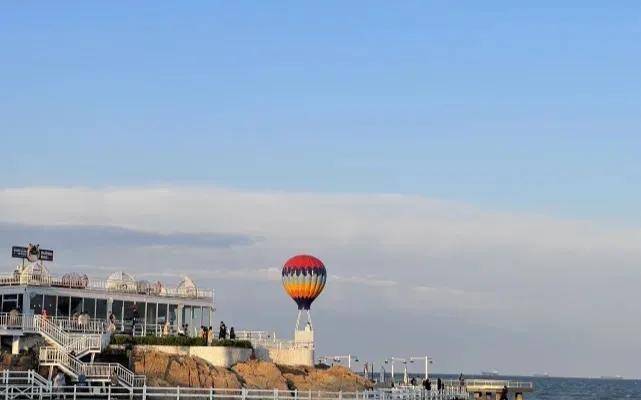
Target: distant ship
490, 373
612, 377
543, 375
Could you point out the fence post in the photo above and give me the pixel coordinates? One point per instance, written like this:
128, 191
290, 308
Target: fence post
340, 395
74, 392
296, 394
275, 394
144, 391
177, 392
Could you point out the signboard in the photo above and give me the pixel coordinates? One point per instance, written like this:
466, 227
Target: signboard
31, 253
46, 255
18, 252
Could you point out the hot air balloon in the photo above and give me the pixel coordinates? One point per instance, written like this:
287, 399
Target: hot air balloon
304, 278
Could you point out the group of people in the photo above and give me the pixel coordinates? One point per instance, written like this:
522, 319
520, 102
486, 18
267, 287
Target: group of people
427, 385
207, 334
222, 332
440, 386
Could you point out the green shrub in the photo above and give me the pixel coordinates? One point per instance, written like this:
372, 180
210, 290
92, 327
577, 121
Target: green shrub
174, 341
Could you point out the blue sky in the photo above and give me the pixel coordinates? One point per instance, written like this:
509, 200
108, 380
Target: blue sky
510, 135
527, 108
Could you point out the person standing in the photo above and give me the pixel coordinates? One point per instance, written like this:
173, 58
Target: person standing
439, 385
222, 332
232, 334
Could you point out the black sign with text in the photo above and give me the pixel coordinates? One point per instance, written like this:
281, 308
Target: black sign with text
46, 255
18, 252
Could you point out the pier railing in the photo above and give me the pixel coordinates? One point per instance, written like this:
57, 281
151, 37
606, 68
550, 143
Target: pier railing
30, 385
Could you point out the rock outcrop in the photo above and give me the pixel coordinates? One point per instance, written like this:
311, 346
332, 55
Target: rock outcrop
164, 369
260, 375
169, 370
332, 379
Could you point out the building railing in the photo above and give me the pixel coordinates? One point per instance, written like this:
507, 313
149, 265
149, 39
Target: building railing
104, 285
269, 340
90, 325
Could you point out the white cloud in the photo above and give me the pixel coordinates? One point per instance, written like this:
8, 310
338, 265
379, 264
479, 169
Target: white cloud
384, 253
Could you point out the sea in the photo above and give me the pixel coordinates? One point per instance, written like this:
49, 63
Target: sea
570, 388
581, 388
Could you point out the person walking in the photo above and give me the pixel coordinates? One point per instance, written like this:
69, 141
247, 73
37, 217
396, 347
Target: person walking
232, 333
59, 383
504, 393
439, 385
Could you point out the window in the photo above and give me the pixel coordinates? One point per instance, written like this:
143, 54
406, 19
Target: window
173, 318
63, 306
89, 306
76, 305
141, 311
197, 320
9, 302
206, 321
50, 305
35, 301
129, 310
187, 325
101, 308
162, 313
151, 313
116, 308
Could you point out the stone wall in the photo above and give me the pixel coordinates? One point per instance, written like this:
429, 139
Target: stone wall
292, 357
217, 356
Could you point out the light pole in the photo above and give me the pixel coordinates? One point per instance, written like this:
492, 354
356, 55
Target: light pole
392, 360
338, 359
428, 361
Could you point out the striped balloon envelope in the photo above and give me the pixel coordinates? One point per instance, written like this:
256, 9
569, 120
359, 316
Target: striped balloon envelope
304, 278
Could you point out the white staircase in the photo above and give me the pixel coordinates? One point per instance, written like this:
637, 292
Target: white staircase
99, 372
67, 348
80, 344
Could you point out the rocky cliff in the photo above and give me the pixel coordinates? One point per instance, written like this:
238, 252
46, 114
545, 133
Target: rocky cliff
170, 370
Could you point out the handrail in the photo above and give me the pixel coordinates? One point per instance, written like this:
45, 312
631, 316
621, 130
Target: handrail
498, 383
79, 344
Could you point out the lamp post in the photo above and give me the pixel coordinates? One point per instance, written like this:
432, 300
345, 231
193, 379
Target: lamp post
392, 360
428, 361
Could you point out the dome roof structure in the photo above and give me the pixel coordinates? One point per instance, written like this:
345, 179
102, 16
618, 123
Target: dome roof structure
187, 286
34, 273
121, 281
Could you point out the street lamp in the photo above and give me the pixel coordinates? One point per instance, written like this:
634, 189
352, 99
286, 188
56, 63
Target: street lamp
428, 361
392, 360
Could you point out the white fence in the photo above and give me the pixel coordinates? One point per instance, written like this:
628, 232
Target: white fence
25, 390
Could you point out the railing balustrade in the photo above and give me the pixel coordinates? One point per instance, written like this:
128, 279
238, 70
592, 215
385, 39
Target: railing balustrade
103, 285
